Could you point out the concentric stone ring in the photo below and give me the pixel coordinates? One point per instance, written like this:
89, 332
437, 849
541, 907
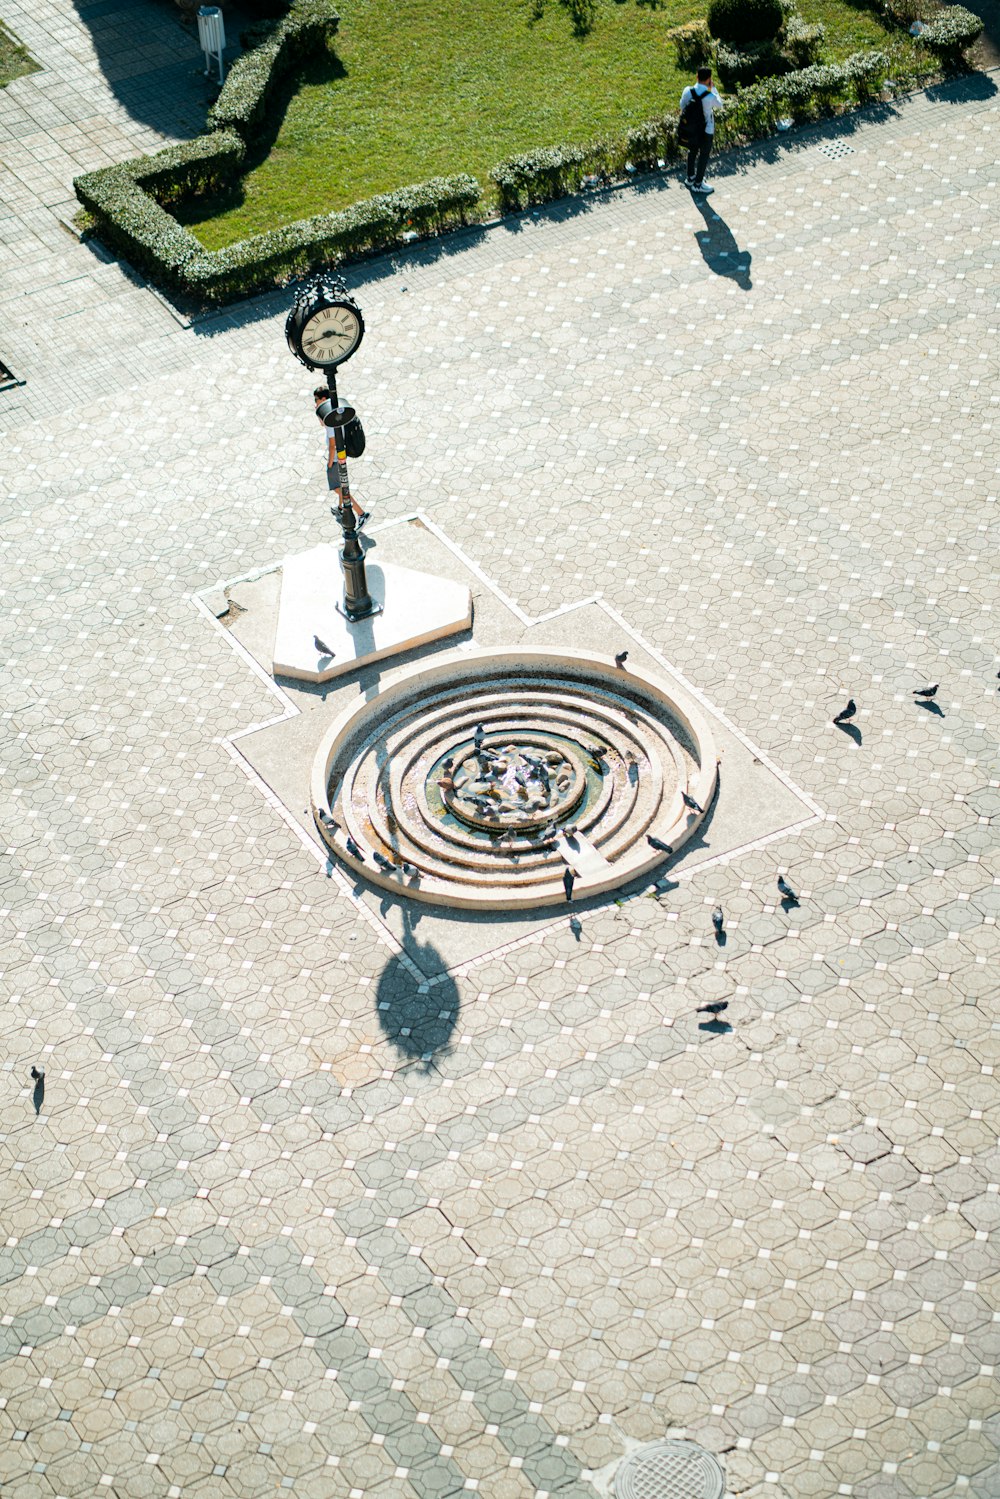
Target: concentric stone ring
488, 773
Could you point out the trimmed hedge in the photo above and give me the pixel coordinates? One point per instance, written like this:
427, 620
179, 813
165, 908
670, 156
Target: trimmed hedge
266, 260
554, 171
278, 49
125, 201
131, 220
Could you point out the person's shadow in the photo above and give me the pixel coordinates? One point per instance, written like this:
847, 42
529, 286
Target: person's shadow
719, 249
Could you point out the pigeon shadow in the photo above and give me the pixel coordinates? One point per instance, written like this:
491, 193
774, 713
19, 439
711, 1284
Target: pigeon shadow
715, 1027
417, 1016
721, 938
852, 732
719, 249
933, 708
38, 1096
789, 903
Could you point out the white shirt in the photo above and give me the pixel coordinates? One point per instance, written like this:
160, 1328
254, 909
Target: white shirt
711, 103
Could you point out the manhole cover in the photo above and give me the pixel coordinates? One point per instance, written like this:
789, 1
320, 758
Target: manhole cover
836, 149
670, 1470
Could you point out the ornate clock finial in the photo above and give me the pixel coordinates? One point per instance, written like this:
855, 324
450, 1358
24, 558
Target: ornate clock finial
324, 326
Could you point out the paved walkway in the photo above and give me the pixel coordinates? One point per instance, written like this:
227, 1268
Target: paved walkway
251, 1243
100, 97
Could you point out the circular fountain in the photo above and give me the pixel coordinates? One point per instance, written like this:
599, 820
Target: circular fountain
477, 780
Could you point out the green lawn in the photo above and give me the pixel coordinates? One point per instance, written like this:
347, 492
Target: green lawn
419, 88
14, 60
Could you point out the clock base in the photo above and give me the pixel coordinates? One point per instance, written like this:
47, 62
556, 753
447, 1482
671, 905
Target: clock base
413, 609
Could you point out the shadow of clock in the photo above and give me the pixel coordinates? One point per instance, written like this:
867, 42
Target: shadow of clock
417, 1016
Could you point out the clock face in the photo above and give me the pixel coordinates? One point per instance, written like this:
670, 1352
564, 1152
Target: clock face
331, 335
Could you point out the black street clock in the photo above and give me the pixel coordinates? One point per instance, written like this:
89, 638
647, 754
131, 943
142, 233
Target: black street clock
325, 325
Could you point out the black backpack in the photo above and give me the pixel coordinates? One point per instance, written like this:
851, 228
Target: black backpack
691, 125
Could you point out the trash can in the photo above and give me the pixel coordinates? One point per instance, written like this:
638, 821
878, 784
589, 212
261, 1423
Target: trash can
212, 37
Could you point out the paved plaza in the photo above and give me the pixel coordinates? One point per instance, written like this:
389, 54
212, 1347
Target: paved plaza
301, 1208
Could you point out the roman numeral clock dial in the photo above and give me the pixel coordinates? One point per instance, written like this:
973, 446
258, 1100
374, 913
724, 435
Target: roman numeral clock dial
325, 325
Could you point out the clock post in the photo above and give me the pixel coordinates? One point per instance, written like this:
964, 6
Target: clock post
323, 329
358, 602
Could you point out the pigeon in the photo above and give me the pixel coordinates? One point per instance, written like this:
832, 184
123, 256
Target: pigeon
786, 890
926, 692
408, 868
352, 848
659, 845
569, 880
382, 861
479, 735
597, 751
620, 659
322, 647
846, 713
38, 1095
326, 819
37, 1074
713, 1009
689, 801
718, 918
570, 834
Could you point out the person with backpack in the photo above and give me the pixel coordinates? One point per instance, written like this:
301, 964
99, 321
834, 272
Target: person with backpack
697, 128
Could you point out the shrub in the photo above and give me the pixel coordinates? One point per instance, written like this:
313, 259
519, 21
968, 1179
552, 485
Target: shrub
129, 218
554, 171
953, 29
278, 48
803, 43
692, 44
805, 93
743, 65
125, 201
743, 21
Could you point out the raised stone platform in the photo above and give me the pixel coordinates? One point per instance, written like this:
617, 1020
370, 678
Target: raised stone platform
415, 609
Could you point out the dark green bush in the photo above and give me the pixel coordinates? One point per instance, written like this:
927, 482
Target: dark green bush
952, 30
742, 21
